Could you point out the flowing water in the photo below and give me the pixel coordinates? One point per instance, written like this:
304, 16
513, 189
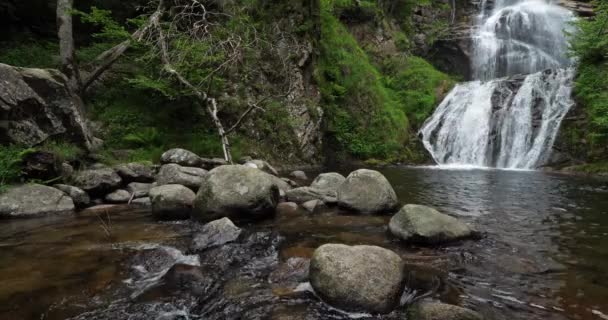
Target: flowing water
510, 115
544, 256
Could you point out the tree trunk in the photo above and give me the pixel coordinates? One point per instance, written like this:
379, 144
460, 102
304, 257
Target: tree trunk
67, 51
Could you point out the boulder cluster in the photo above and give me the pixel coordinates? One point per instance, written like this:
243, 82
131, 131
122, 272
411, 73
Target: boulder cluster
211, 191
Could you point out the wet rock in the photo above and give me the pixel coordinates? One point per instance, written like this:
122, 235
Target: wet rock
290, 182
66, 170
421, 224
262, 165
281, 184
32, 200
35, 105
80, 197
97, 182
118, 196
181, 157
138, 189
171, 202
185, 277
310, 205
305, 194
175, 174
330, 181
236, 191
367, 191
298, 174
293, 271
287, 208
142, 202
215, 233
136, 172
441, 311
336, 273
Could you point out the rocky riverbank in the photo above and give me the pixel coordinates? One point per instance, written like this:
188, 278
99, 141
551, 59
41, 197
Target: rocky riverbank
217, 194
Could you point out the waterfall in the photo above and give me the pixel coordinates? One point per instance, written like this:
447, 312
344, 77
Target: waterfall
510, 115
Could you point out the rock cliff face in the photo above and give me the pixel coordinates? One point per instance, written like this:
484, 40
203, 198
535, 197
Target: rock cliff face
35, 105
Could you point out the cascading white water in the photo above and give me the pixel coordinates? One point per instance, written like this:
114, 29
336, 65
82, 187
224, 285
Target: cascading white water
503, 120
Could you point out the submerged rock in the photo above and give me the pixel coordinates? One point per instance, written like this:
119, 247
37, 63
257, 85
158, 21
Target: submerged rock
135, 172
181, 157
32, 200
236, 191
190, 177
97, 182
357, 278
367, 191
421, 224
215, 233
441, 311
171, 202
80, 197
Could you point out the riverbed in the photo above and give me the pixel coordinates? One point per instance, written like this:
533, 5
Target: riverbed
543, 256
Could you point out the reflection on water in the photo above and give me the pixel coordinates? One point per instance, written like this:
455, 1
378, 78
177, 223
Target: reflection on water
545, 256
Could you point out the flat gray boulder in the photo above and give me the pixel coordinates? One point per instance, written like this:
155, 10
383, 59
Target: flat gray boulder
97, 182
171, 202
236, 191
215, 233
441, 311
139, 190
367, 191
118, 196
80, 197
330, 181
305, 194
422, 224
357, 278
181, 157
136, 172
190, 177
32, 200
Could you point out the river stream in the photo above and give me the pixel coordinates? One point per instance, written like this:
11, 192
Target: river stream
543, 256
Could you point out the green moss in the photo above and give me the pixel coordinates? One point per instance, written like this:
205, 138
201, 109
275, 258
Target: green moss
363, 115
591, 168
30, 53
65, 151
10, 165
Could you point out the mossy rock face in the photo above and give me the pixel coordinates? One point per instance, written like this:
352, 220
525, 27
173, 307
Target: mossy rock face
236, 191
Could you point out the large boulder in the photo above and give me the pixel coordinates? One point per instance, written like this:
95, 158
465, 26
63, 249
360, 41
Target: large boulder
32, 200
367, 191
215, 233
171, 202
330, 181
236, 190
135, 172
181, 157
97, 182
441, 311
35, 105
357, 278
421, 224
190, 177
80, 197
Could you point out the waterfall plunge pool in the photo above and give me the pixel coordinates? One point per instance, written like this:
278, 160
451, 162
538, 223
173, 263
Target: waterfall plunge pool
544, 256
